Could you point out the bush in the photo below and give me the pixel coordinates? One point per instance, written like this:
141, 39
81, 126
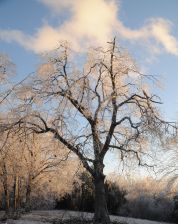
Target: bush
115, 197
149, 207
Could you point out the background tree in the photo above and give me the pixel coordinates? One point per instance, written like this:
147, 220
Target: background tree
7, 71
40, 158
91, 109
11, 170
27, 161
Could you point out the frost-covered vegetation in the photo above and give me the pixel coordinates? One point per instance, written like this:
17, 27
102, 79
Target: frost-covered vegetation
57, 126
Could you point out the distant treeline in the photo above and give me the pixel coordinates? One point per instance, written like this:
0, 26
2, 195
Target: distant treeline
145, 206
82, 196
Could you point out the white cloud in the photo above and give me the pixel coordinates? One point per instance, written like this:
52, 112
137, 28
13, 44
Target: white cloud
93, 22
14, 35
158, 29
161, 31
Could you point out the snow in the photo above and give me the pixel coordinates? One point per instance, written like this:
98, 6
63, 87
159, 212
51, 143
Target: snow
48, 217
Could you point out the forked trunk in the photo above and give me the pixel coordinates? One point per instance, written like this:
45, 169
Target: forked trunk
101, 211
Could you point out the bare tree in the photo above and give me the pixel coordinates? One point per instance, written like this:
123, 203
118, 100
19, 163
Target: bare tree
7, 70
8, 92
9, 170
24, 161
40, 159
167, 167
91, 109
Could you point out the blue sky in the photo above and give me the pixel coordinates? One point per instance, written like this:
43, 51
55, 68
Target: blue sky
149, 29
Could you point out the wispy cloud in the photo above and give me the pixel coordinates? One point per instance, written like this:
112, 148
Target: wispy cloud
93, 22
157, 30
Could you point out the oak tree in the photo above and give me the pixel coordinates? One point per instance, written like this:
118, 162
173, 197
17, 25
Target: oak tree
93, 107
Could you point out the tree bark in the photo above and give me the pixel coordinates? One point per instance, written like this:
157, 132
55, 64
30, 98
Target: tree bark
7, 202
6, 190
19, 193
101, 212
28, 198
15, 194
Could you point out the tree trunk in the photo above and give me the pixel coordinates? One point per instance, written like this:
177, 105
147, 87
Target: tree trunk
19, 192
14, 194
101, 211
28, 198
7, 202
6, 190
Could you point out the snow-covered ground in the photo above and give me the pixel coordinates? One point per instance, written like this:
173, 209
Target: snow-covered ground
48, 217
